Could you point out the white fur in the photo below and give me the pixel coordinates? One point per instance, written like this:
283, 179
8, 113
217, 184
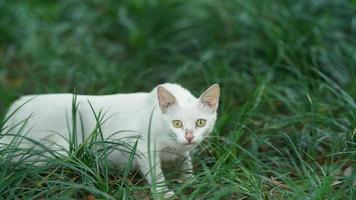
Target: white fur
50, 116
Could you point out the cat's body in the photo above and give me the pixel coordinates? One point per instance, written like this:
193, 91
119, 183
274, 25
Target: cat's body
49, 118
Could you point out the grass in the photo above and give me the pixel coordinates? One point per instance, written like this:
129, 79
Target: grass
287, 118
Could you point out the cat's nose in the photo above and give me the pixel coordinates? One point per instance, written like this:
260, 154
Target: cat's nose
189, 136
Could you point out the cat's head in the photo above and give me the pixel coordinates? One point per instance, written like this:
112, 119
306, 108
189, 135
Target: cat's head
189, 119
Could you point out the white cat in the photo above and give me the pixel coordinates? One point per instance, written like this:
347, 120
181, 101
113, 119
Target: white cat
179, 122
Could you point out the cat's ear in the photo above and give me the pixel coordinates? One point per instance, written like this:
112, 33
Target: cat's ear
210, 97
165, 98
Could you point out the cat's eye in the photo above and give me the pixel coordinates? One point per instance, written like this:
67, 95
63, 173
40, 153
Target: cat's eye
200, 123
177, 124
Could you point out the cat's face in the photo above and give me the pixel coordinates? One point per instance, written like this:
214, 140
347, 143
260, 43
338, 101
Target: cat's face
190, 123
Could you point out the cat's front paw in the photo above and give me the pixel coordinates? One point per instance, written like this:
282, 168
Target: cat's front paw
164, 193
190, 178
182, 179
169, 195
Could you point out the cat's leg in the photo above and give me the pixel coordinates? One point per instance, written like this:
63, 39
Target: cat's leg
186, 169
154, 175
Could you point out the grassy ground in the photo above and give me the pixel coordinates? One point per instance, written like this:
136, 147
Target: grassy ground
287, 119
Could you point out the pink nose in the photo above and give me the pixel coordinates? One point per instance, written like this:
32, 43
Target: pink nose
189, 136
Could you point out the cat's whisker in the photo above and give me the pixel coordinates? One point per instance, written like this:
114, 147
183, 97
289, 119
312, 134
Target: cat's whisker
203, 146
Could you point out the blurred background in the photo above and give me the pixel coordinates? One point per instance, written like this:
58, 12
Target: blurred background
103, 46
287, 68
